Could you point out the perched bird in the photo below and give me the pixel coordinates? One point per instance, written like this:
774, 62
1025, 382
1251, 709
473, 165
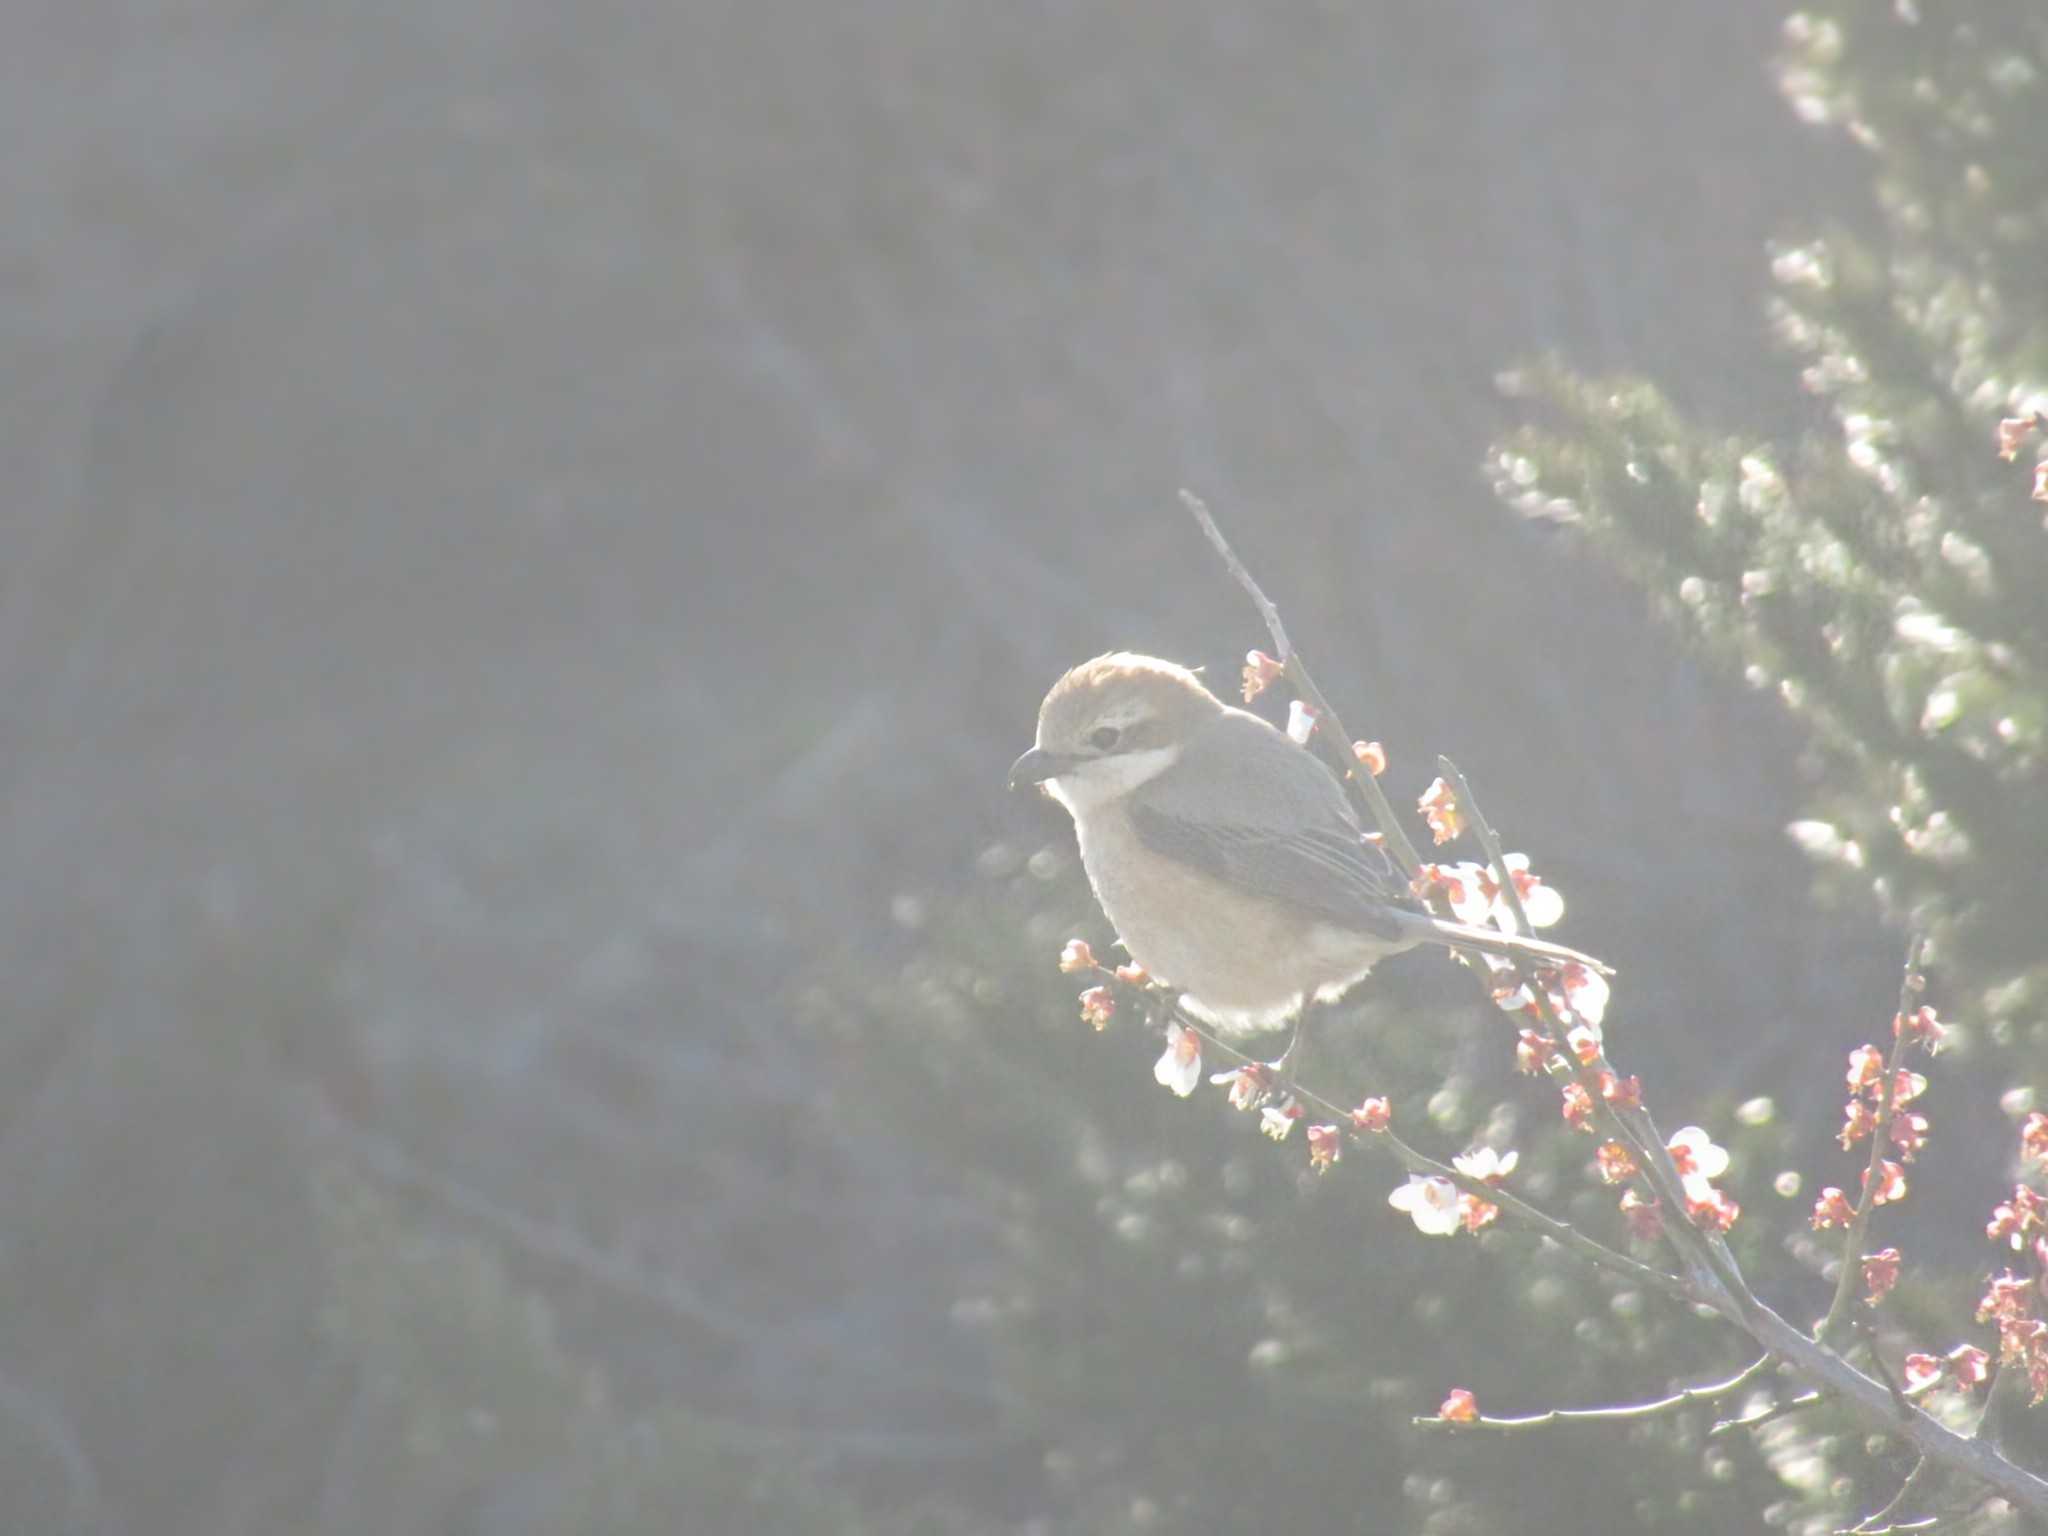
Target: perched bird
1226, 855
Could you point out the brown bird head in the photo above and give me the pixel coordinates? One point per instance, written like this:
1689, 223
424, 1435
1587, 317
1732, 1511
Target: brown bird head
1112, 723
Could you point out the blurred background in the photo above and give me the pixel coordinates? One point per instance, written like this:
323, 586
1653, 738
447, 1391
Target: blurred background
534, 534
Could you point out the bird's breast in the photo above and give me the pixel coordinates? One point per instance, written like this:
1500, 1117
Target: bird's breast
1243, 959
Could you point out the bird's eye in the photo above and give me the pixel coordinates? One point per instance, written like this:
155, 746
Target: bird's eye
1103, 737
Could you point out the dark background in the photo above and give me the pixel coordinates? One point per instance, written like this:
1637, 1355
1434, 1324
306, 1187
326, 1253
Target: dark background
534, 533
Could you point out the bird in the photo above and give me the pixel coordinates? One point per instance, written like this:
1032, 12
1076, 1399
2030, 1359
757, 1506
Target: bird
1225, 854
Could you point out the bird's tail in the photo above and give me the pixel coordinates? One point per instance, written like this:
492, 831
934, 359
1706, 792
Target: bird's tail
1492, 941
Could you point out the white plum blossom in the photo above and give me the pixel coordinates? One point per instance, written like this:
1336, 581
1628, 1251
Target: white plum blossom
1699, 1161
1708, 1160
1485, 1164
1509, 991
1180, 1066
1431, 1202
1466, 891
1586, 990
1542, 904
1277, 1120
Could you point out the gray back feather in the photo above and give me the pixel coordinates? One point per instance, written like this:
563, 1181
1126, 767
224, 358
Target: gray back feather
1268, 817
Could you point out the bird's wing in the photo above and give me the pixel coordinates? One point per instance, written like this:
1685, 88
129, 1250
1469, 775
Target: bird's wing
1288, 832
1328, 871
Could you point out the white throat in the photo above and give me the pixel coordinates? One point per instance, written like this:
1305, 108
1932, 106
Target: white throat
1095, 783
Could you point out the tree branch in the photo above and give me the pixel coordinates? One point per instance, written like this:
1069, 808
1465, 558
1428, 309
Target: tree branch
1633, 1127
1683, 1398
1566, 1236
1721, 1286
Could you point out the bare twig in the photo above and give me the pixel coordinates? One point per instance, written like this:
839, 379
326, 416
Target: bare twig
1878, 1517
1686, 1396
1765, 1415
1335, 739
1884, 1372
2004, 1383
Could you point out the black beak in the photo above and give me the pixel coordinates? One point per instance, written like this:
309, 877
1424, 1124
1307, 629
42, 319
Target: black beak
1036, 766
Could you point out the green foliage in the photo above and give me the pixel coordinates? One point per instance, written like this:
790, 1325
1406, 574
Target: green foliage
1884, 572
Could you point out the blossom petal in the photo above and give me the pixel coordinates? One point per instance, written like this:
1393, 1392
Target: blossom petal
1431, 1202
1690, 1144
1542, 905
1180, 1065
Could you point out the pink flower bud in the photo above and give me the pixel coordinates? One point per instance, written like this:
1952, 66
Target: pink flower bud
1578, 1107
1923, 1028
1373, 1115
2034, 1136
1968, 1366
1260, 672
1891, 1182
1325, 1146
1616, 1163
1880, 1273
1832, 1209
1439, 807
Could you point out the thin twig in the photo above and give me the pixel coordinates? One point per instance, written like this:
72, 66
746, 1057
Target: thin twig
1877, 1517
1354, 774
1776, 1410
2004, 1383
1267, 609
1880, 1138
1883, 1371
1684, 1397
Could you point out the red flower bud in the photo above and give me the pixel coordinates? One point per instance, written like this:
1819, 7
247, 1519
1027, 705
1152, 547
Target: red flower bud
1460, 1407
1880, 1273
